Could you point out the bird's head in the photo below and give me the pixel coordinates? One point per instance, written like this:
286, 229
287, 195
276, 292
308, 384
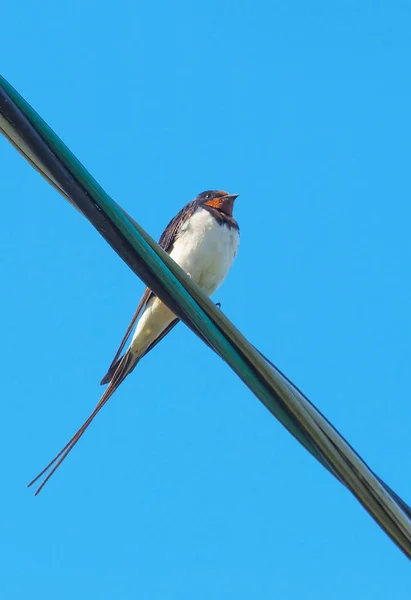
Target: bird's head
221, 201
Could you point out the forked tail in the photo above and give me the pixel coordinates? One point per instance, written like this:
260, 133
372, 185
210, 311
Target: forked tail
124, 366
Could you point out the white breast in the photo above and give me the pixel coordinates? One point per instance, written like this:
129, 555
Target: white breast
206, 249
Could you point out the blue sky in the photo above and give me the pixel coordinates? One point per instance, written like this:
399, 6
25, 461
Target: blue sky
186, 487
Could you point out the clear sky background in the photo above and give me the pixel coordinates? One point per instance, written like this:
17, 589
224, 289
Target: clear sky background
185, 486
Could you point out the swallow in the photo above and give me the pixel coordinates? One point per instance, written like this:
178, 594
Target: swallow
203, 239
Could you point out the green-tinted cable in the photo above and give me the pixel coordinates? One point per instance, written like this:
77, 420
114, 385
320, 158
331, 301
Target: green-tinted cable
239, 354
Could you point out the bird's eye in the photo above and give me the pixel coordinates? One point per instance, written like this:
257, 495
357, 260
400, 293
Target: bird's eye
207, 196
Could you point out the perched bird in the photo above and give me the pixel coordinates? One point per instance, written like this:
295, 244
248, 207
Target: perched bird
203, 239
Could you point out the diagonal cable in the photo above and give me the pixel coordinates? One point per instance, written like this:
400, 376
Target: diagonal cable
45, 151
